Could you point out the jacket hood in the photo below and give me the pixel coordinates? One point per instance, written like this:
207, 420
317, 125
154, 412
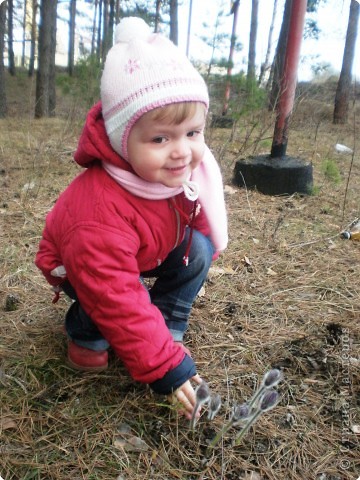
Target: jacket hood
94, 144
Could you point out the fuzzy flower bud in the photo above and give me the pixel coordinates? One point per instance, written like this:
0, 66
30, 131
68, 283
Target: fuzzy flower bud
214, 406
269, 400
240, 413
272, 378
202, 393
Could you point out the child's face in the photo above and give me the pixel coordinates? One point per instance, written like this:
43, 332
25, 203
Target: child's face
166, 153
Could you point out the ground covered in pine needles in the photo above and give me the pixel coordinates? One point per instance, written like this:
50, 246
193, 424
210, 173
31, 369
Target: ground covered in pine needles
285, 294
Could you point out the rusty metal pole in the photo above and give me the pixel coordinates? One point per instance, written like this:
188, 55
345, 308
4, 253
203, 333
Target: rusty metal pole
289, 79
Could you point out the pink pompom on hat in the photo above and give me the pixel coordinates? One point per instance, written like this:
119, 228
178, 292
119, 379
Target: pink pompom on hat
144, 71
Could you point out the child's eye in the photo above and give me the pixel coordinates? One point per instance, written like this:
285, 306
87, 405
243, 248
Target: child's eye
193, 133
159, 140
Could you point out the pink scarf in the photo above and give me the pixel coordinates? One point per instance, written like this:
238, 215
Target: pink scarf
205, 184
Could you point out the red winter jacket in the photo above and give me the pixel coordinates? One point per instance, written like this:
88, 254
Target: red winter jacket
104, 237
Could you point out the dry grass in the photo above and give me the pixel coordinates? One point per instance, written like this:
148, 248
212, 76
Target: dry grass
295, 307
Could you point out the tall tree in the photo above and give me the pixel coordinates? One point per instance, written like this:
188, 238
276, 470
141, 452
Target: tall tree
2, 69
157, 15
52, 79
189, 29
72, 22
105, 30
111, 25
174, 24
45, 78
215, 40
94, 30
24, 34
10, 32
252, 43
34, 7
99, 25
342, 97
265, 64
234, 10
117, 12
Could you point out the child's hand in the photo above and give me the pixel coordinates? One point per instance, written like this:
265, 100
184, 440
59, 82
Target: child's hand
186, 396
186, 350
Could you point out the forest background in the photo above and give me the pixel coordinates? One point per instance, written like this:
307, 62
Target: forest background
285, 294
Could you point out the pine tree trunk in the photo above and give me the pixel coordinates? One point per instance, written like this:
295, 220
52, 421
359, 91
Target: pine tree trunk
10, 29
52, 79
24, 35
342, 97
71, 53
99, 25
105, 30
157, 15
252, 42
234, 11
3, 107
34, 4
117, 12
111, 24
45, 78
93, 33
265, 65
174, 24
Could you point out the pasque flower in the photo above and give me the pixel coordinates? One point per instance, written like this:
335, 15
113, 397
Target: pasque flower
268, 401
202, 394
214, 406
245, 415
270, 380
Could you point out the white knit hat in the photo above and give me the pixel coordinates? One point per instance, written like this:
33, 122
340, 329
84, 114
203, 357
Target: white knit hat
144, 71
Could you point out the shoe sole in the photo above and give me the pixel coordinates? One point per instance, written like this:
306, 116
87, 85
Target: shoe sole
81, 368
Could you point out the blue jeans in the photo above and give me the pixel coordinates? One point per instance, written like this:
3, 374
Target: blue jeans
173, 292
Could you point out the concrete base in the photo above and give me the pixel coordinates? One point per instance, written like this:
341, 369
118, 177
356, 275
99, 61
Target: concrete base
274, 176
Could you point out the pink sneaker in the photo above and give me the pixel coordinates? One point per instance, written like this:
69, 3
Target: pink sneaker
86, 360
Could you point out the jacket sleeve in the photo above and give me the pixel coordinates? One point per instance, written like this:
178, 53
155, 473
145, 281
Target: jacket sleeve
47, 257
101, 265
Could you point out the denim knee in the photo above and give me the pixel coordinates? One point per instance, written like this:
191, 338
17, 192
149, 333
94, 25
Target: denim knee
201, 251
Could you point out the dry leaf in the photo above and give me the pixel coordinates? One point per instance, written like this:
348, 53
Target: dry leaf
270, 271
230, 190
356, 429
7, 423
256, 241
354, 361
252, 476
131, 444
332, 245
28, 186
245, 260
221, 271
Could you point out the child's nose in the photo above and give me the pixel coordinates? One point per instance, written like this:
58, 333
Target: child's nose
181, 148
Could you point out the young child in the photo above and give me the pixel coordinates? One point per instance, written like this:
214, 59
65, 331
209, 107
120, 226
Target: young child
149, 204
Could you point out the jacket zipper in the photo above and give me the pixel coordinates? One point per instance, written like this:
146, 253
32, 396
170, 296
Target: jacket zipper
172, 204
177, 215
